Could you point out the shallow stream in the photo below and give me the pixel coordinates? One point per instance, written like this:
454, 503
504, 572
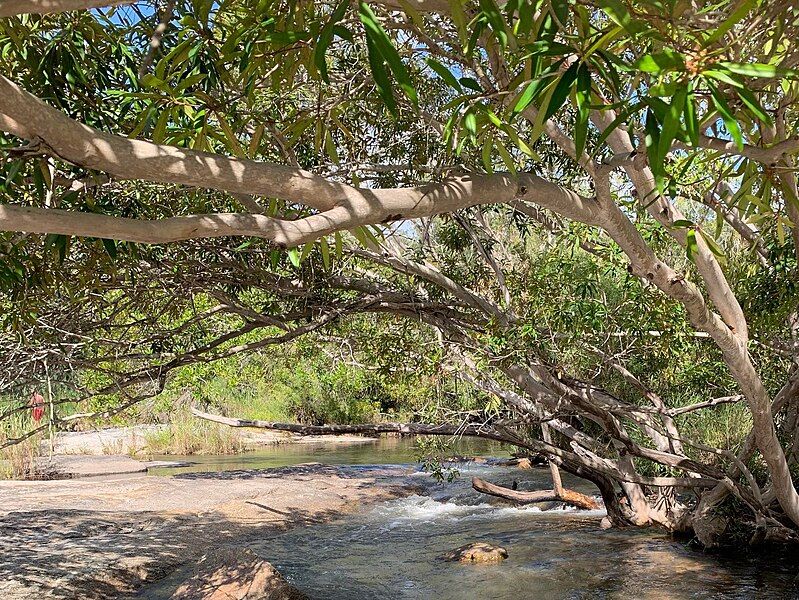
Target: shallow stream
392, 550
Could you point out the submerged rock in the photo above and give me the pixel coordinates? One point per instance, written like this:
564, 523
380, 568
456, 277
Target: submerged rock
236, 574
477, 552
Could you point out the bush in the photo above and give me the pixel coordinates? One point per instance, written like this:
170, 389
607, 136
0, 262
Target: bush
186, 434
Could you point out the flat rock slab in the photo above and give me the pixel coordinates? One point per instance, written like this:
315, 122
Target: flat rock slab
96, 538
72, 465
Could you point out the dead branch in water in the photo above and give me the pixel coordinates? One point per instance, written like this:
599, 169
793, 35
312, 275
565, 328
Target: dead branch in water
465, 430
568, 496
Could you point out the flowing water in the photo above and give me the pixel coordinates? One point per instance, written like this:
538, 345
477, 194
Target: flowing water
392, 550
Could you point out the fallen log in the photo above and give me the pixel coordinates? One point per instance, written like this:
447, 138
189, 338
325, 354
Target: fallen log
461, 430
568, 496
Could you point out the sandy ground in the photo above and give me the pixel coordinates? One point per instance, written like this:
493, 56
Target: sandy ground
111, 537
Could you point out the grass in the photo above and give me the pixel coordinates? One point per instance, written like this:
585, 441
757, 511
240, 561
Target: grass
185, 434
20, 460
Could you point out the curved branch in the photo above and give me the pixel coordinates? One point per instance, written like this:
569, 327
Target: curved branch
768, 156
26, 116
565, 495
9, 8
343, 206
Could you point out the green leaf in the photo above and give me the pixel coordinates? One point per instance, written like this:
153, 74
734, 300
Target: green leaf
619, 14
477, 31
381, 77
294, 256
583, 102
159, 132
534, 88
561, 91
691, 246
526, 18
495, 20
752, 103
739, 13
324, 248
660, 61
343, 33
671, 123
506, 157
493, 118
758, 70
233, 142
620, 118
285, 38
488, 146
546, 48
726, 115
713, 246
339, 243
691, 121
652, 140
470, 124
725, 77
306, 250
110, 247
445, 74
190, 81
520, 144
382, 43
326, 37
472, 84
151, 81
561, 10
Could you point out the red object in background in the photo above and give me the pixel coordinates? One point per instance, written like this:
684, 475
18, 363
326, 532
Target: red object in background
37, 404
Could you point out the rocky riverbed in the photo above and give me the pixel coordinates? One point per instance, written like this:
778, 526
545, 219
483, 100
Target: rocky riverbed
113, 536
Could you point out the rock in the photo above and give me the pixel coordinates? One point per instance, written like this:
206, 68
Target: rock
477, 552
709, 529
236, 574
605, 523
69, 466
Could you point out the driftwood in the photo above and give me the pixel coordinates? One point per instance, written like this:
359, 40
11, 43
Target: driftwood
568, 496
463, 430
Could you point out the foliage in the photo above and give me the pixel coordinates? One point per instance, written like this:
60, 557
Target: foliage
652, 267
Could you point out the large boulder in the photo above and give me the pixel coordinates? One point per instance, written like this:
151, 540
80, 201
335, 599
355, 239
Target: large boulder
236, 574
477, 552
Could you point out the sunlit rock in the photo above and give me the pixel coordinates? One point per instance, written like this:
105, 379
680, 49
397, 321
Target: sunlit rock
477, 552
236, 573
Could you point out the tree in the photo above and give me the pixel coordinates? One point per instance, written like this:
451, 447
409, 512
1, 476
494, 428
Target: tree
637, 121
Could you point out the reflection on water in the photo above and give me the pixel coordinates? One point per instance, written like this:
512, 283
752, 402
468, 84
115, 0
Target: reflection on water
392, 550
374, 451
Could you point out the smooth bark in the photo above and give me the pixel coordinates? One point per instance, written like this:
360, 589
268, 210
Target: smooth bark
565, 495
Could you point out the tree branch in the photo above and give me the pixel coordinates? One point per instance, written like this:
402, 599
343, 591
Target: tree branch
9, 8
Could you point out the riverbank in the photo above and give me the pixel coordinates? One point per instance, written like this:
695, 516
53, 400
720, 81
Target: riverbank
133, 440
128, 450
105, 538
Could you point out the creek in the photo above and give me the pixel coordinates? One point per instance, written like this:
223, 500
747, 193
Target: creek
392, 550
